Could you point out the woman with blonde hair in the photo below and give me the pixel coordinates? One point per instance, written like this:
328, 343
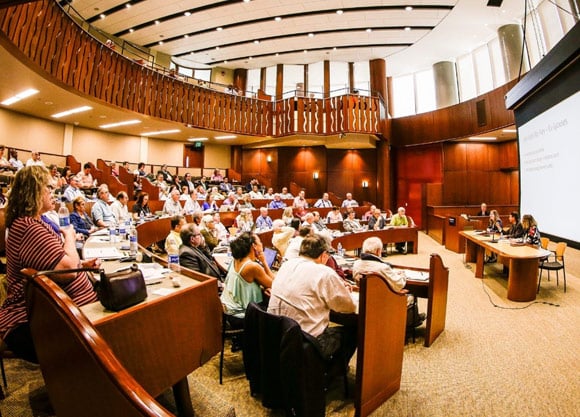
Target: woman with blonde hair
531, 232
288, 215
31, 243
245, 220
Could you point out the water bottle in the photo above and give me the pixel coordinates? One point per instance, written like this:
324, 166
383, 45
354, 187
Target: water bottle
172, 255
339, 249
63, 215
133, 245
112, 233
122, 230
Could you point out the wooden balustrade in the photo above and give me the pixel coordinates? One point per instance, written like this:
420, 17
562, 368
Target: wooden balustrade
46, 35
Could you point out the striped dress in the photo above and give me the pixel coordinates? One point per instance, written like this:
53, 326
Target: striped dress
31, 243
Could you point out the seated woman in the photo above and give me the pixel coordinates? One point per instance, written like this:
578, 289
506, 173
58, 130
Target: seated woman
31, 243
244, 221
334, 215
288, 215
209, 203
351, 224
79, 218
245, 278
531, 232
141, 207
494, 226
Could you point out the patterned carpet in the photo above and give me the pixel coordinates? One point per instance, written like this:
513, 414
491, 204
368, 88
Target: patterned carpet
517, 360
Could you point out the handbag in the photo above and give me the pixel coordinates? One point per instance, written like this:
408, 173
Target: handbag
116, 291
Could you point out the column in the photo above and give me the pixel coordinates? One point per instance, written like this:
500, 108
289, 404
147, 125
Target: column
511, 42
445, 77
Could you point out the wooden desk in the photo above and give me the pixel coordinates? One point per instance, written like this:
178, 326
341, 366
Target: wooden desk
523, 263
354, 241
163, 339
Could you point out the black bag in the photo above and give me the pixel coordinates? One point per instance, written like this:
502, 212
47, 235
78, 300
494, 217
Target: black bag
116, 291
119, 290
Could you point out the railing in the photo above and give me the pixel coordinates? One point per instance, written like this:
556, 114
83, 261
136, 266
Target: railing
59, 46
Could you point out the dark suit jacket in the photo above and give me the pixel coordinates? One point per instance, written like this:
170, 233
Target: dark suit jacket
193, 258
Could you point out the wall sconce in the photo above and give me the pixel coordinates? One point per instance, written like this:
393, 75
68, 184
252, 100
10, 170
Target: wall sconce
269, 158
315, 175
365, 184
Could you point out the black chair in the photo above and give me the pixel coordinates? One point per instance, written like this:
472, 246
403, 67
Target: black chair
285, 366
556, 264
230, 330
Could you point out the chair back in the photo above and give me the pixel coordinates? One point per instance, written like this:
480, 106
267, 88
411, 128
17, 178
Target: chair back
545, 242
82, 374
560, 249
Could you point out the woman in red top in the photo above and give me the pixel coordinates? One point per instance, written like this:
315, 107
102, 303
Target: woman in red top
31, 243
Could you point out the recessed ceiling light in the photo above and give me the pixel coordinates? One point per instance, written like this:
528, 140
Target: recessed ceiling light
186, 36
219, 28
160, 132
256, 41
482, 138
339, 11
20, 96
196, 139
306, 51
160, 42
71, 111
409, 8
277, 18
131, 30
187, 14
225, 137
157, 22
102, 16
311, 35
369, 30
217, 48
407, 28
125, 123
225, 61
128, 5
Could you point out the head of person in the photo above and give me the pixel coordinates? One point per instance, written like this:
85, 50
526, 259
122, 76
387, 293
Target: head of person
53, 170
164, 167
277, 225
190, 235
216, 218
377, 212
514, 217
305, 231
277, 197
73, 180
87, 167
31, 194
295, 223
302, 194
177, 222
348, 196
103, 192
141, 166
197, 216
335, 209
352, 213
208, 222
187, 176
309, 218
13, 153
175, 194
528, 221
483, 207
143, 199
288, 212
270, 190
372, 245
244, 244
35, 155
126, 165
79, 204
264, 211
66, 171
123, 198
255, 188
160, 177
400, 210
493, 215
315, 247
316, 216
239, 191
325, 196
284, 190
193, 194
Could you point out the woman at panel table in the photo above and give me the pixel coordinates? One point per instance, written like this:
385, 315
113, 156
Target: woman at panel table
531, 232
31, 243
246, 277
495, 225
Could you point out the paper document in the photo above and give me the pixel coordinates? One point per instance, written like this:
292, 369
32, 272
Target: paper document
153, 273
106, 252
414, 275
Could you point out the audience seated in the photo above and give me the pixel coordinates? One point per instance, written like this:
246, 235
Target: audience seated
86, 178
79, 218
176, 223
209, 232
276, 202
191, 204
323, 202
73, 191
255, 192
334, 215
245, 221
101, 211
281, 235
293, 249
399, 219
141, 207
349, 202
119, 207
263, 222
378, 222
285, 195
300, 202
34, 159
14, 161
163, 186
194, 255
351, 223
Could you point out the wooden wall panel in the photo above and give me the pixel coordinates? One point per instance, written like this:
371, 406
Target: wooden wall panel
478, 157
454, 157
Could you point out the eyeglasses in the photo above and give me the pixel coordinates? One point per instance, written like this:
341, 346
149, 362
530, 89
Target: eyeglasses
196, 235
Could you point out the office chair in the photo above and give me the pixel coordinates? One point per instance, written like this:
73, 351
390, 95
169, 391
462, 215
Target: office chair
554, 265
230, 330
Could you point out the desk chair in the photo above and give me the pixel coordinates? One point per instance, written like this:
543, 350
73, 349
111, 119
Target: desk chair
554, 265
82, 374
229, 331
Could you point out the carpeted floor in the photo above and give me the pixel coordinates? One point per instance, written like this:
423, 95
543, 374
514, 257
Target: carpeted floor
516, 359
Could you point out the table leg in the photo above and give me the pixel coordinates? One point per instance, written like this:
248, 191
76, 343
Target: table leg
523, 279
183, 398
479, 261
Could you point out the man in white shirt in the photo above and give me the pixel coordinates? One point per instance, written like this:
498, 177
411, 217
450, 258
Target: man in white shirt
35, 159
323, 202
349, 202
306, 290
119, 207
73, 191
172, 206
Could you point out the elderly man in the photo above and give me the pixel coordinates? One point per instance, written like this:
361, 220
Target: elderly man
277, 202
102, 214
281, 235
400, 219
377, 221
285, 195
73, 191
34, 159
193, 254
306, 290
370, 262
172, 205
323, 202
119, 207
263, 221
349, 202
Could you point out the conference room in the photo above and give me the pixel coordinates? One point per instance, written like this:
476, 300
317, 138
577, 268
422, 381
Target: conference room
438, 162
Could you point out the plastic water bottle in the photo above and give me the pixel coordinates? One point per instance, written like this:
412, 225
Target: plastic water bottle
122, 230
63, 215
112, 233
339, 249
133, 244
173, 256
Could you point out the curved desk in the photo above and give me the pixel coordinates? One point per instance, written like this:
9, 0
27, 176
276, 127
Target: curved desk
523, 263
163, 339
354, 241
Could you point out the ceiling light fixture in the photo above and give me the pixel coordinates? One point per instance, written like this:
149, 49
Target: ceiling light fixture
409, 8
257, 41
219, 28
339, 11
407, 28
125, 123
160, 132
277, 18
196, 139
131, 30
71, 111
225, 137
128, 5
187, 14
157, 22
510, 131
311, 35
102, 16
483, 138
369, 30
20, 96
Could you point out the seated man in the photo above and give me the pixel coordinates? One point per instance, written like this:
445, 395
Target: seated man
306, 290
193, 254
281, 235
400, 219
277, 202
516, 230
73, 191
172, 205
86, 178
483, 210
102, 214
177, 222
351, 223
349, 202
323, 202
377, 221
263, 221
370, 262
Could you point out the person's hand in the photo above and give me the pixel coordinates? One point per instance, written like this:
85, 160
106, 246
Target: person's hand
69, 232
91, 263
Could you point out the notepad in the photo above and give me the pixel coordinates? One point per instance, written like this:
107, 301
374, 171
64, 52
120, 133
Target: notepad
106, 252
